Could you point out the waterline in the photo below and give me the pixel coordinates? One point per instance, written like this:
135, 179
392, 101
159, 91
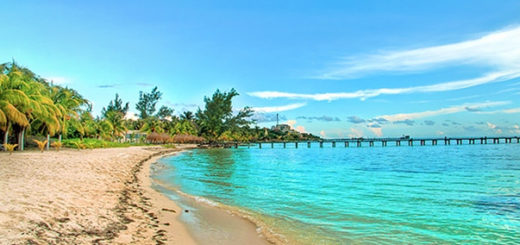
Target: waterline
463, 194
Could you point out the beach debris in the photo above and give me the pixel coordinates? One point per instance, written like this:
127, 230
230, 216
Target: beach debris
186, 211
168, 210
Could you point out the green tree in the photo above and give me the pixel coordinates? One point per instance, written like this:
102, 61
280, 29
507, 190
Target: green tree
13, 101
187, 115
116, 105
114, 115
217, 116
69, 102
147, 102
165, 112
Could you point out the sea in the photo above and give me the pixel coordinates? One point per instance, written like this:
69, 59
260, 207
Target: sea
457, 194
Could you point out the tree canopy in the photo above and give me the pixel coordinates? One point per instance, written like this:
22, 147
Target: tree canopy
147, 102
217, 116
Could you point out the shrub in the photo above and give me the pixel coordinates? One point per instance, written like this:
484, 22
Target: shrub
10, 147
41, 144
57, 145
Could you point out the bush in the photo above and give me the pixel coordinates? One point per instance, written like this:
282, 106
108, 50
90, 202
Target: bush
94, 143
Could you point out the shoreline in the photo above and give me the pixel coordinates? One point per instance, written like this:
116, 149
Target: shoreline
167, 210
95, 196
103, 196
233, 226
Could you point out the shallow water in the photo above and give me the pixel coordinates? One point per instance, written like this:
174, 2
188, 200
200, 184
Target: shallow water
433, 194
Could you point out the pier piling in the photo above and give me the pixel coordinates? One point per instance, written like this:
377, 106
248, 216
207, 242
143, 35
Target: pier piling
333, 143
346, 144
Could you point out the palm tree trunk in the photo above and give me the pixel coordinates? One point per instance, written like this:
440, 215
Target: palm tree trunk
20, 139
60, 138
6, 136
48, 141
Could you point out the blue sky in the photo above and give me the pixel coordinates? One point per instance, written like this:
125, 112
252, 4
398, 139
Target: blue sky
335, 68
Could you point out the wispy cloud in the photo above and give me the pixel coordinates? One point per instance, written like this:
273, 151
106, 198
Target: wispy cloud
278, 108
322, 118
267, 117
504, 111
369, 93
500, 49
402, 117
108, 85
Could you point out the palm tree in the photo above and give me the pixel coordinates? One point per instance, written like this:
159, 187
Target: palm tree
69, 103
187, 115
13, 101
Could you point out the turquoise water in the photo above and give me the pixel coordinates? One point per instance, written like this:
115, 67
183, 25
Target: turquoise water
423, 194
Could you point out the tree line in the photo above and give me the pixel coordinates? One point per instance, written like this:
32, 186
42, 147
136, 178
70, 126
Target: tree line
31, 105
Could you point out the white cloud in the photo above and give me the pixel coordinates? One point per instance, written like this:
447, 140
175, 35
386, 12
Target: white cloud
491, 126
300, 129
322, 134
500, 50
355, 133
291, 123
278, 108
376, 131
442, 111
515, 129
505, 111
58, 80
369, 93
494, 127
131, 116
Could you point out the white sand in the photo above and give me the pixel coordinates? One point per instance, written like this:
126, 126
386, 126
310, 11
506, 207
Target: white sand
88, 196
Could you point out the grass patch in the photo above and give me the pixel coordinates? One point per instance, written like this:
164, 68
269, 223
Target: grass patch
95, 143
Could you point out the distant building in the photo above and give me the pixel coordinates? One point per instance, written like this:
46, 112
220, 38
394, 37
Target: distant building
133, 135
284, 128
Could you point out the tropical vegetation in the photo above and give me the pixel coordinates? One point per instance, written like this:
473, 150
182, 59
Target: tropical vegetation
36, 110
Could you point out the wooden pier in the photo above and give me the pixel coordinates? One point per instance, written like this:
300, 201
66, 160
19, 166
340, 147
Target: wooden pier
384, 142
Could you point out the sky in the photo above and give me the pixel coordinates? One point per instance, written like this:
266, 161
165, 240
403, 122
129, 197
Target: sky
332, 68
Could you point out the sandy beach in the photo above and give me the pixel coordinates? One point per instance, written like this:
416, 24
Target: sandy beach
100, 196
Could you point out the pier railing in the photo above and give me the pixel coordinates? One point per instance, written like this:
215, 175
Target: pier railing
370, 142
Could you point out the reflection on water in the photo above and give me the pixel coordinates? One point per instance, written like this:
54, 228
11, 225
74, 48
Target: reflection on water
433, 194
